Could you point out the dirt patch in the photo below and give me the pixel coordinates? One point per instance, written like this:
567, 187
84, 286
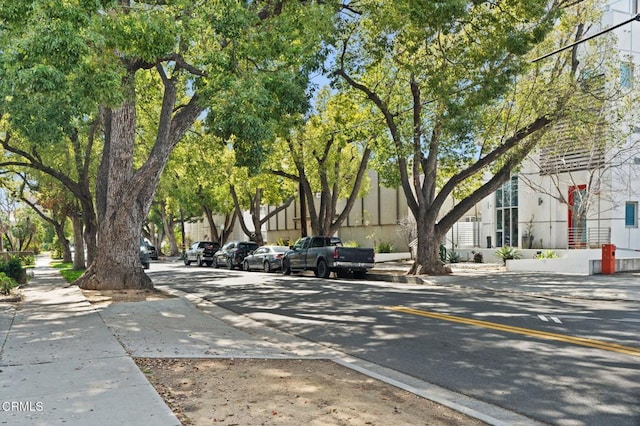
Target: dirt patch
106, 297
286, 392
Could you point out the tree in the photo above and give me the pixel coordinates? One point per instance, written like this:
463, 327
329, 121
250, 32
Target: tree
54, 204
244, 62
198, 185
253, 192
444, 77
20, 227
71, 163
328, 156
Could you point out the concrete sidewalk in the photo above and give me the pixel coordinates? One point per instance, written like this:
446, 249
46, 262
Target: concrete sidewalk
60, 364
62, 361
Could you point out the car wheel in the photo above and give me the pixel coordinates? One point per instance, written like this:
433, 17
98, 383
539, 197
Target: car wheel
245, 265
187, 261
209, 262
286, 269
229, 263
323, 270
200, 261
146, 265
266, 266
215, 262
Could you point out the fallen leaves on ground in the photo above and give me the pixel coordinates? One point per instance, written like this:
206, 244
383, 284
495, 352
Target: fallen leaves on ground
286, 392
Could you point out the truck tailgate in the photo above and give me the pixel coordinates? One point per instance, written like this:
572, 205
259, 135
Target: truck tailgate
354, 254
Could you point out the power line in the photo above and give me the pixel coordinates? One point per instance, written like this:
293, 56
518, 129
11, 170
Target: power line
635, 18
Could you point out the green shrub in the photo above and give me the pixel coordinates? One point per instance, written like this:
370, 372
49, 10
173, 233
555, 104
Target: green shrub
28, 260
453, 257
547, 254
384, 247
6, 284
13, 269
505, 253
350, 244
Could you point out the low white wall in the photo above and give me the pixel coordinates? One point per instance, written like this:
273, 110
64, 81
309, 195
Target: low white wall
585, 262
390, 257
626, 264
570, 265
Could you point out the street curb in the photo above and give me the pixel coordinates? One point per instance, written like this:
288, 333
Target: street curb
401, 279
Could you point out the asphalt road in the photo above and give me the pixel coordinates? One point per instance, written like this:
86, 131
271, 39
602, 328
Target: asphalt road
559, 361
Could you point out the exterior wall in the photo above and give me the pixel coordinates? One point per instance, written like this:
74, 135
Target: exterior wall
199, 231
543, 216
372, 220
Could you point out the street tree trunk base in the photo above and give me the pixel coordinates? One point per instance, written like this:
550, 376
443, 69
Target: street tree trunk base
419, 269
116, 279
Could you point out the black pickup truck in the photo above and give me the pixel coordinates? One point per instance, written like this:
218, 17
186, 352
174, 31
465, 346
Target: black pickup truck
324, 255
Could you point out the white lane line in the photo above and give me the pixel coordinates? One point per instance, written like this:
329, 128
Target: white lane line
550, 318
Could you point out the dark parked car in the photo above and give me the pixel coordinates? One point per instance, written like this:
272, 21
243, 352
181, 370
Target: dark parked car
144, 254
201, 252
233, 253
267, 258
324, 255
153, 253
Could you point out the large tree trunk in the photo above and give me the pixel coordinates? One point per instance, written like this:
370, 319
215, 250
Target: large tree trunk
124, 196
78, 255
64, 242
122, 208
168, 224
428, 249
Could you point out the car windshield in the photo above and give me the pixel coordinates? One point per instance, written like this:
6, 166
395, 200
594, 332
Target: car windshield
250, 246
279, 249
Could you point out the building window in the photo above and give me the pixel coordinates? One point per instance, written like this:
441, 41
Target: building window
507, 214
626, 75
631, 214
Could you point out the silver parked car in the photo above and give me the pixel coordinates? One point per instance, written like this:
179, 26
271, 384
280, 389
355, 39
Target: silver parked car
266, 258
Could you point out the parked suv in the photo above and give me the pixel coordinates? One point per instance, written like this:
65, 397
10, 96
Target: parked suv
201, 252
144, 254
233, 253
153, 253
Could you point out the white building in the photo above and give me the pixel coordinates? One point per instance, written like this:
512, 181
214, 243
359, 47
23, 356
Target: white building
570, 198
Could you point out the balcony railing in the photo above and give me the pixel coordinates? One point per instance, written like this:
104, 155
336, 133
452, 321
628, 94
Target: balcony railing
581, 238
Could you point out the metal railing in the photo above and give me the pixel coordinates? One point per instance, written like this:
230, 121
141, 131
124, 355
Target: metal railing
581, 238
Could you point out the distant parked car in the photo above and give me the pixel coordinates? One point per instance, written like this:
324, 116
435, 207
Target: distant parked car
267, 258
144, 254
233, 253
153, 253
201, 252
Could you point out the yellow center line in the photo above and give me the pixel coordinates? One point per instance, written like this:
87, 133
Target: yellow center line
582, 341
